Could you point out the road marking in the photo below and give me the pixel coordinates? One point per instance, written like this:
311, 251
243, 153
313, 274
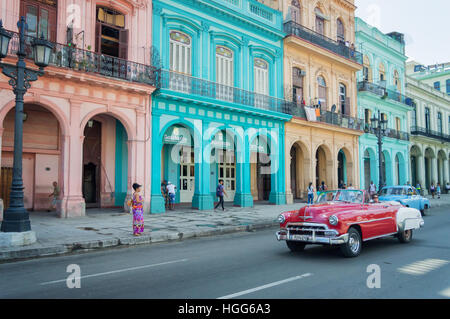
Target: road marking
116, 271
423, 267
445, 292
276, 283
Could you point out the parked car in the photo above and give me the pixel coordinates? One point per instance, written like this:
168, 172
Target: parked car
406, 195
347, 218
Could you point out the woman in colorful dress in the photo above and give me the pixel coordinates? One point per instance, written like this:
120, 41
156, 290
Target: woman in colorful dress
138, 211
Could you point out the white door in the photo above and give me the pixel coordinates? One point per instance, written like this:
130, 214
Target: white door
224, 73
227, 172
187, 174
180, 61
261, 70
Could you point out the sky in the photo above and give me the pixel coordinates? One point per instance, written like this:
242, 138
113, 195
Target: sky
426, 25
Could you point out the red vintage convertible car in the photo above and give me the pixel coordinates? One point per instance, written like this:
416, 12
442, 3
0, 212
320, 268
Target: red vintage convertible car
347, 218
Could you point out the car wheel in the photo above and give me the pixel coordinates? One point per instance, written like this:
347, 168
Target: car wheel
295, 246
405, 236
353, 247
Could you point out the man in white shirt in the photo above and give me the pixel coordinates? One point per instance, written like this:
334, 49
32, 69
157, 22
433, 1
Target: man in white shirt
171, 191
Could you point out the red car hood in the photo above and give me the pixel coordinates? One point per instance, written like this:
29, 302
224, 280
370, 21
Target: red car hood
321, 213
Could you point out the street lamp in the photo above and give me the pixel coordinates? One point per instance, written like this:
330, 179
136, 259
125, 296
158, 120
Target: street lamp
378, 125
16, 218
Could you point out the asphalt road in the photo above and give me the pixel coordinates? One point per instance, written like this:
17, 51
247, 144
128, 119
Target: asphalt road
245, 265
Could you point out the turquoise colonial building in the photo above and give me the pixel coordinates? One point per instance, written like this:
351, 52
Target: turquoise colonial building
219, 110
381, 88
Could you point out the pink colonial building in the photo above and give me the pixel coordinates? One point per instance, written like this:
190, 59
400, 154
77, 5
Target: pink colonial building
87, 120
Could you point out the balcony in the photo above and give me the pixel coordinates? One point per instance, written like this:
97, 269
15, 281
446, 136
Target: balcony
187, 84
376, 89
90, 62
416, 130
327, 117
392, 133
339, 48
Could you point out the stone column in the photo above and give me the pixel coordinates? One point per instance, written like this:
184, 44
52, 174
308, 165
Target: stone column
434, 171
243, 196
277, 190
73, 204
202, 156
446, 173
157, 204
288, 160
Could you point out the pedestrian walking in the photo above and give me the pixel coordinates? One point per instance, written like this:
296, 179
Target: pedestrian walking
55, 195
310, 194
164, 193
323, 187
341, 184
432, 190
171, 191
220, 190
138, 210
350, 186
372, 189
419, 188
438, 190
447, 187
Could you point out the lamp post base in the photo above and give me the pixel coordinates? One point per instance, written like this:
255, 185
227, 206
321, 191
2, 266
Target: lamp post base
15, 220
17, 239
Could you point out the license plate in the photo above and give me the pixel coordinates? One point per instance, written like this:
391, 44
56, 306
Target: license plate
301, 237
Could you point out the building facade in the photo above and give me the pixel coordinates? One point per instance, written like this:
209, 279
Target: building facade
219, 113
320, 65
381, 92
437, 76
430, 134
87, 120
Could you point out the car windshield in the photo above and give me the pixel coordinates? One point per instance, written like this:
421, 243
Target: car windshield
393, 191
343, 195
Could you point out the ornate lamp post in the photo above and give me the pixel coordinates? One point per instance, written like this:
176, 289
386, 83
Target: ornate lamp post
379, 127
16, 218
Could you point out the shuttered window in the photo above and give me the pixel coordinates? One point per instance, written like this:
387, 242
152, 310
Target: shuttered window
40, 16
224, 72
110, 32
180, 52
261, 70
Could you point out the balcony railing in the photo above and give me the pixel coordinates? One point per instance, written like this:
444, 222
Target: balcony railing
293, 28
384, 93
194, 86
64, 56
392, 133
416, 130
328, 117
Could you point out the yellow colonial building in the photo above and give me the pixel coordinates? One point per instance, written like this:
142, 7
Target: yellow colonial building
320, 65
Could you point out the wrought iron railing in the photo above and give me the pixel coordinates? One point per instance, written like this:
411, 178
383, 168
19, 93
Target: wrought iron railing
417, 130
184, 83
90, 62
392, 133
384, 93
293, 28
328, 117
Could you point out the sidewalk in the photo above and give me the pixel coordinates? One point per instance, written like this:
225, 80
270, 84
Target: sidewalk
112, 228
102, 228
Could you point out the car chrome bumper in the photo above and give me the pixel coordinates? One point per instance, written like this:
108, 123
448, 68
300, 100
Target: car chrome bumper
338, 240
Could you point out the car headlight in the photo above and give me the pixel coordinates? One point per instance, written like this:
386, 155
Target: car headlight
281, 219
333, 220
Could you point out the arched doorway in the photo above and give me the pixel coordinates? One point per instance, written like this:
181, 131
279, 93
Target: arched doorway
400, 170
429, 156
105, 162
322, 170
42, 156
415, 154
386, 168
261, 171
342, 168
178, 161
299, 170
370, 169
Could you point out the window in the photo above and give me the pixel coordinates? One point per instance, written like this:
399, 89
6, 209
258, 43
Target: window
261, 70
40, 16
340, 31
343, 101
322, 91
382, 72
413, 116
110, 32
439, 122
180, 52
447, 84
427, 118
397, 82
295, 11
297, 84
367, 69
398, 124
437, 85
320, 21
224, 72
367, 117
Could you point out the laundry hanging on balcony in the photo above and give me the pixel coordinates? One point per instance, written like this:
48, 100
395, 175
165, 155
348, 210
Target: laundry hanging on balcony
311, 114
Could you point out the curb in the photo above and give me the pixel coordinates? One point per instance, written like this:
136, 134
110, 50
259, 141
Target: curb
65, 249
